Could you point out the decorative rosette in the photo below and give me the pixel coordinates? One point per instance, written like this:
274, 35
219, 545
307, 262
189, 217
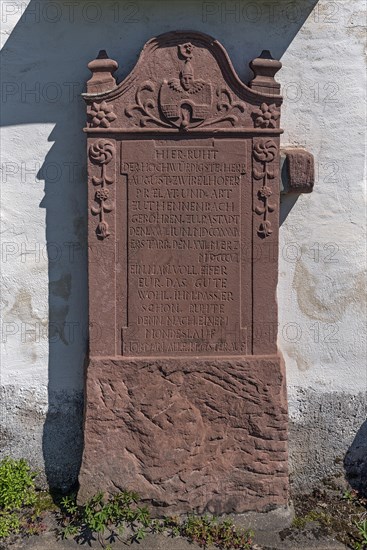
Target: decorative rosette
266, 116
101, 114
102, 151
265, 150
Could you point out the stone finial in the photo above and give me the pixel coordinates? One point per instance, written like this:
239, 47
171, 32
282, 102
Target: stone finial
264, 69
102, 78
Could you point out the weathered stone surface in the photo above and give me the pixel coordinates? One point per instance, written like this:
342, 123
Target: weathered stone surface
188, 434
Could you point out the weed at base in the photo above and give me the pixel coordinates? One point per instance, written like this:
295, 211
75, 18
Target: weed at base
121, 511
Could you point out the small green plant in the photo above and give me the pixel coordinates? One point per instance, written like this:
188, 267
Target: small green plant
322, 517
362, 532
17, 486
350, 495
21, 506
9, 524
99, 514
206, 531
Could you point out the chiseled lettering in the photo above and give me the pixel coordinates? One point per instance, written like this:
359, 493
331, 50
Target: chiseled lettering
194, 153
184, 243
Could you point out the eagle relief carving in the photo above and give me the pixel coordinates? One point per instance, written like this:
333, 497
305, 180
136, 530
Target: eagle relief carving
184, 102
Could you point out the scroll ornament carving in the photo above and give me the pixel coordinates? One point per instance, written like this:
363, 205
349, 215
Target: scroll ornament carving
264, 151
101, 114
184, 102
266, 116
146, 106
102, 152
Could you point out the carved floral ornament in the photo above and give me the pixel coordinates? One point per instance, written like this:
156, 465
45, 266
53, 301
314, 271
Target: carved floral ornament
264, 151
101, 114
101, 153
266, 116
184, 102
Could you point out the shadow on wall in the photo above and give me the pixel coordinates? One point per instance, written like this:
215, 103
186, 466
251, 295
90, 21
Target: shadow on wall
44, 70
355, 462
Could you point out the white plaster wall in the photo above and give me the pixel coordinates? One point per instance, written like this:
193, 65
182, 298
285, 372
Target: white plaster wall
321, 295
323, 246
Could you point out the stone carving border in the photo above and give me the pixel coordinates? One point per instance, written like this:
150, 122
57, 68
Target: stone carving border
264, 152
102, 152
109, 120
233, 107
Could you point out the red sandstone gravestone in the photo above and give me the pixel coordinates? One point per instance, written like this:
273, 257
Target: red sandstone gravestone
185, 389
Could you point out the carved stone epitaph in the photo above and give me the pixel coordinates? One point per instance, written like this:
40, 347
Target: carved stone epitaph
185, 388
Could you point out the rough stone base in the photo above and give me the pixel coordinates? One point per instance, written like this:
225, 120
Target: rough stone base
188, 434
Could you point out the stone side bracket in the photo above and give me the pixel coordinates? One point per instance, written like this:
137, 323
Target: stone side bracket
297, 171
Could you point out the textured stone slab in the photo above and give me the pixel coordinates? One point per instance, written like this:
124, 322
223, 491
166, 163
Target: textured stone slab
187, 434
185, 398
